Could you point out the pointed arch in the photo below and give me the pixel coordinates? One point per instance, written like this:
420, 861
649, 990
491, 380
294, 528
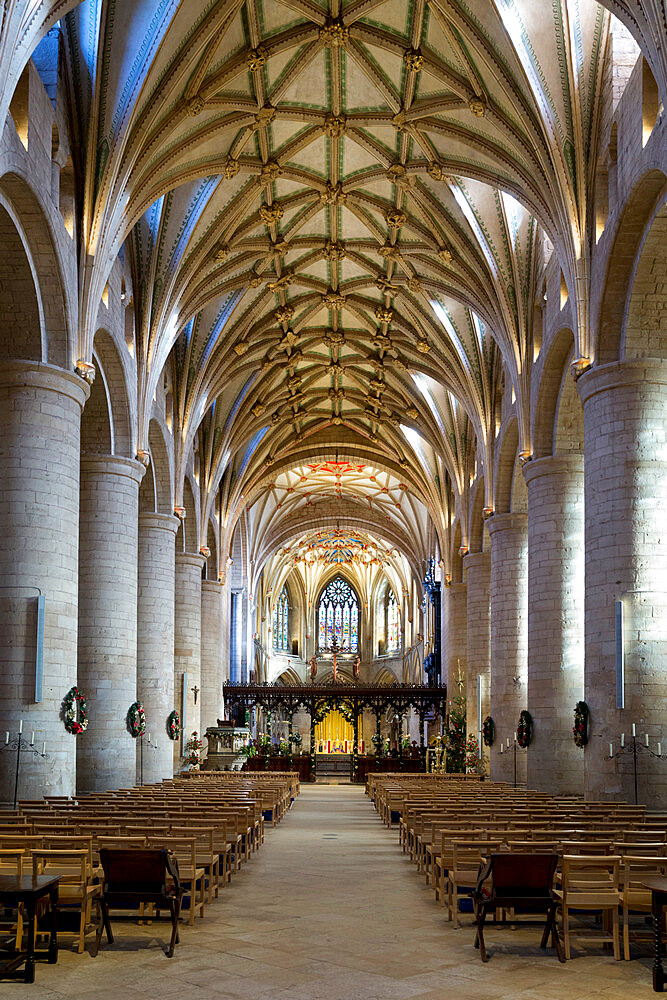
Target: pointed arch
338, 615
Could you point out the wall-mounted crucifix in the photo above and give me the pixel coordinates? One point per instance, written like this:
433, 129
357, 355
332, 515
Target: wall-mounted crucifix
195, 692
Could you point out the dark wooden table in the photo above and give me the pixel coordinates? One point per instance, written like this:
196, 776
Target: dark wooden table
658, 887
28, 890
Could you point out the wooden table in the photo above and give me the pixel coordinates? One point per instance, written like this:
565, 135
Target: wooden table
28, 889
658, 887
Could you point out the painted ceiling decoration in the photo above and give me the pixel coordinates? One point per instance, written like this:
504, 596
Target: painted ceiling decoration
336, 213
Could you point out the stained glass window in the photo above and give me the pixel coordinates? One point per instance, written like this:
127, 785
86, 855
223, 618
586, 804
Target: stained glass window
338, 615
393, 624
281, 621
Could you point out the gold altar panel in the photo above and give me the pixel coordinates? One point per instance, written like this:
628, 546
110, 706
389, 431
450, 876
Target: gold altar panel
335, 727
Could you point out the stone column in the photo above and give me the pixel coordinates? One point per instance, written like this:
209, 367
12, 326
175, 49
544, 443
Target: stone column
455, 637
187, 640
39, 482
211, 653
555, 620
625, 478
477, 569
155, 639
108, 618
509, 634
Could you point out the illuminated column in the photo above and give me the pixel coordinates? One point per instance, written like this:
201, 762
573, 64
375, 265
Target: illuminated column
39, 555
477, 569
211, 653
509, 613
108, 555
555, 620
625, 482
155, 638
187, 639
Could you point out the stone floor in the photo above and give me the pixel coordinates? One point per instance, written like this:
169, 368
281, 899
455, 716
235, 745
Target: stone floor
331, 910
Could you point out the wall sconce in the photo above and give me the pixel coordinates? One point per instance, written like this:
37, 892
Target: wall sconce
488, 512
448, 580
144, 457
205, 551
85, 371
180, 513
525, 456
463, 550
579, 366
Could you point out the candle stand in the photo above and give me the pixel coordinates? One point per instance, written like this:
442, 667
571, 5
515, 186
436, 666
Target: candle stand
21, 746
517, 749
148, 743
634, 749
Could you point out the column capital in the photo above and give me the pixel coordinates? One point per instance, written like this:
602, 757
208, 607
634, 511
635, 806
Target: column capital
554, 465
507, 522
153, 520
212, 585
475, 559
49, 378
634, 371
195, 559
113, 465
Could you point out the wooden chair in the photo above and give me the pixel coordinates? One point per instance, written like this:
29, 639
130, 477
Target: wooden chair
522, 883
137, 877
75, 891
590, 884
190, 875
467, 855
634, 896
11, 863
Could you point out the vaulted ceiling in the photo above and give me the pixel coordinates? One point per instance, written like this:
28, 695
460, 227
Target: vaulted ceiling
336, 214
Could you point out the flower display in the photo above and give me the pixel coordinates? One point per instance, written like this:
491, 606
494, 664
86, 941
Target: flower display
136, 719
75, 712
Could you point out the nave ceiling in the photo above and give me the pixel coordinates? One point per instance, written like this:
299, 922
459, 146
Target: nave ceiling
337, 217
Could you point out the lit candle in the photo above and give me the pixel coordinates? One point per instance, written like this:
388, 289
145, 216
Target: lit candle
43, 747
501, 748
149, 737
508, 742
622, 740
611, 749
646, 739
32, 738
6, 737
634, 729
20, 726
659, 749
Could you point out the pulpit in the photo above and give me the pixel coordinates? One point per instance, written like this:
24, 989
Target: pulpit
226, 743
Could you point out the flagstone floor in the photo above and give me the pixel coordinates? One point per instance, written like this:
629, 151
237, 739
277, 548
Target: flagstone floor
330, 909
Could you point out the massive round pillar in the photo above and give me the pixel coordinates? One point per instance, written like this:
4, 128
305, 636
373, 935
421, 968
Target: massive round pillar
187, 641
477, 569
155, 638
509, 612
39, 484
211, 653
108, 618
625, 481
455, 639
555, 620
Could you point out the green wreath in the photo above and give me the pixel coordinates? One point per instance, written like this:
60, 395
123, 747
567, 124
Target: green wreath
75, 712
174, 725
580, 727
488, 731
136, 719
524, 731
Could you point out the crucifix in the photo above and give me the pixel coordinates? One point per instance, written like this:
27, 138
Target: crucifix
195, 692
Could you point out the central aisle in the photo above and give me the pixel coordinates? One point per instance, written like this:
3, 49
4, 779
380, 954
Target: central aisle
329, 909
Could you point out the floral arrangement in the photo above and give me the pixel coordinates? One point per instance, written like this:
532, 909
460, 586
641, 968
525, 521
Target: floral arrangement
263, 742
378, 743
456, 735
488, 731
75, 712
283, 748
136, 719
296, 739
580, 727
193, 748
524, 731
405, 743
472, 754
174, 725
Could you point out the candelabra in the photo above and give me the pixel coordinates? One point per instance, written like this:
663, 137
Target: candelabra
514, 749
634, 749
22, 746
148, 743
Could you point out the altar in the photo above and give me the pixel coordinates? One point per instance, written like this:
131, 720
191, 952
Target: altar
335, 735
337, 746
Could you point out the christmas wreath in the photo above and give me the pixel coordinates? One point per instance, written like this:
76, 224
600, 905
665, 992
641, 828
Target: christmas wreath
488, 731
524, 731
174, 725
580, 727
136, 719
75, 712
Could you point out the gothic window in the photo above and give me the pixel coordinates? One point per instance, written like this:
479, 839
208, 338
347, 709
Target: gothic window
338, 615
281, 621
393, 624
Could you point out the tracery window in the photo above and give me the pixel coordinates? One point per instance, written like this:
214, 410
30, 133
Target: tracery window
338, 615
281, 621
393, 624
